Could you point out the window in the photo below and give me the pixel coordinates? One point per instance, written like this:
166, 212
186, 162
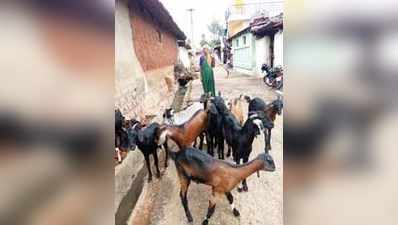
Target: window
244, 40
159, 36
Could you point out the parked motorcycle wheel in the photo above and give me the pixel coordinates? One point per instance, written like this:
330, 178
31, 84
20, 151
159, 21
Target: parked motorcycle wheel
279, 85
267, 81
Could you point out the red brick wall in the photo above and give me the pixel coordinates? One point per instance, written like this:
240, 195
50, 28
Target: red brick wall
152, 53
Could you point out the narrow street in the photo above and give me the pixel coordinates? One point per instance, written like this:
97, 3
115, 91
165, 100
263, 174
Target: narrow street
159, 203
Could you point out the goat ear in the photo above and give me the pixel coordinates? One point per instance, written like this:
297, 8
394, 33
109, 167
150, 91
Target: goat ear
247, 98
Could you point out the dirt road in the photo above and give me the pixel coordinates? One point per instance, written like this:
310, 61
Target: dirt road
159, 203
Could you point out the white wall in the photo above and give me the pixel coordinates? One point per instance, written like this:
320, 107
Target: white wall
262, 52
244, 54
130, 83
278, 49
183, 56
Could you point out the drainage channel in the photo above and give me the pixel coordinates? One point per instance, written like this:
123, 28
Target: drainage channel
129, 201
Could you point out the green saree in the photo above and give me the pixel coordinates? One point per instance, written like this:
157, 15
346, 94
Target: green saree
207, 77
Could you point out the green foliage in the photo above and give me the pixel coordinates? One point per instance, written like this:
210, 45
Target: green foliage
214, 43
203, 42
216, 29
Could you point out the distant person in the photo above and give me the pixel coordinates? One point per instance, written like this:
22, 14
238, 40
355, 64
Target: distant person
229, 66
206, 72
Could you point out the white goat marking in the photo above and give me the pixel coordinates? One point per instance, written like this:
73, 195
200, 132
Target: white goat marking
253, 115
162, 138
232, 206
119, 157
259, 125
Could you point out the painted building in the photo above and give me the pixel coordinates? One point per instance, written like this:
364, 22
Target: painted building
260, 42
243, 51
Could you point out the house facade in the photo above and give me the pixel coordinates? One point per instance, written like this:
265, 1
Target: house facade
146, 50
244, 51
258, 43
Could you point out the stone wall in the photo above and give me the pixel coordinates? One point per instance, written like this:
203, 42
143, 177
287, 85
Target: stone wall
159, 95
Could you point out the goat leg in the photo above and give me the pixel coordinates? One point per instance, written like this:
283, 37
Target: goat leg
237, 161
184, 182
220, 147
244, 184
229, 151
155, 158
201, 138
211, 209
230, 198
209, 141
268, 140
166, 148
148, 166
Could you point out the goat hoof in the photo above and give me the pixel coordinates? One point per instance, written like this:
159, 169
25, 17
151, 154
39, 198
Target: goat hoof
245, 188
205, 222
190, 220
240, 189
149, 179
236, 212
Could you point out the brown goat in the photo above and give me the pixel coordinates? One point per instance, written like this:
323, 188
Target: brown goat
236, 108
222, 176
185, 134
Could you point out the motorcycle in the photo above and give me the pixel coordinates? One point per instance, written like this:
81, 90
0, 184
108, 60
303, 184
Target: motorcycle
273, 77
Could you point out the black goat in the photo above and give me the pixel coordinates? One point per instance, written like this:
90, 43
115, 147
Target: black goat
121, 139
275, 107
215, 132
168, 116
147, 141
241, 138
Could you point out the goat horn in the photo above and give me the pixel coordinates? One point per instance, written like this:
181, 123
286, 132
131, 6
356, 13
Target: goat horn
253, 115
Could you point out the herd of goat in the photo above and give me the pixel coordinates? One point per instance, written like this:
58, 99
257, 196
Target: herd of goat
218, 124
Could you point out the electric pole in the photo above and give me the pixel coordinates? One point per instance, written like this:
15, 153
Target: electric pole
191, 12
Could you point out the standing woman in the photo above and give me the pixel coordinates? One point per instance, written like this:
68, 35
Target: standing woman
206, 72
